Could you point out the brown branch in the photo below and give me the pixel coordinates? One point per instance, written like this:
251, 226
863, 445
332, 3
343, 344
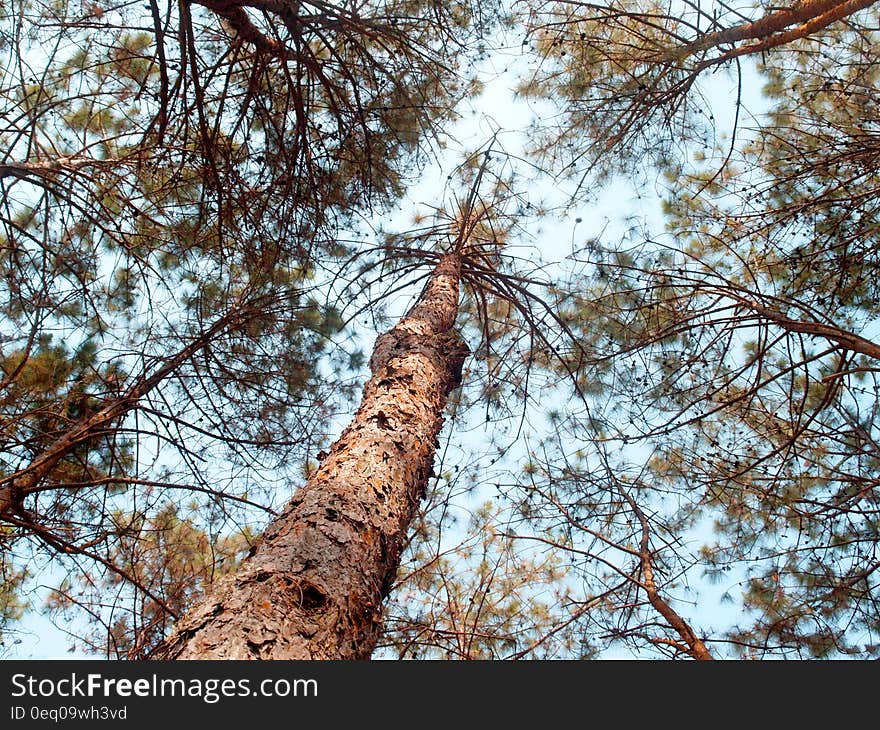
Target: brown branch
809, 15
130, 481
846, 339
234, 14
68, 548
695, 645
15, 487
30, 170
801, 13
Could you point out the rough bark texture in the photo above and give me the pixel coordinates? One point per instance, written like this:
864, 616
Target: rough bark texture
780, 18
313, 588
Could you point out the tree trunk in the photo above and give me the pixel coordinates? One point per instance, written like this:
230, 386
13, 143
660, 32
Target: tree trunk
313, 587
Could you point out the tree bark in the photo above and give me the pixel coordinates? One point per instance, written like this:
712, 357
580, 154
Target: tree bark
846, 339
798, 14
313, 587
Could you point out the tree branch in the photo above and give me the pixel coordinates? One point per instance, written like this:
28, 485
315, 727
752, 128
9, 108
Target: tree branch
15, 487
695, 645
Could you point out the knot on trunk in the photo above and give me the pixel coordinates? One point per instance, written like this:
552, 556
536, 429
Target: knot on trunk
455, 350
383, 350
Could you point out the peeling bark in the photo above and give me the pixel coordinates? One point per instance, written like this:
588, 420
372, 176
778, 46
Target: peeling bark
798, 14
313, 587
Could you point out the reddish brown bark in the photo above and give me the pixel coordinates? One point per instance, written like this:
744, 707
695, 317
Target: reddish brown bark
780, 18
234, 14
313, 588
778, 27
